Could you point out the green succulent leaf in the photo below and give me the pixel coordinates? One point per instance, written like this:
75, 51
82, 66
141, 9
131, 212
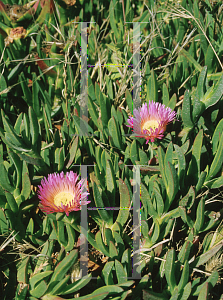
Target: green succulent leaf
113, 22
147, 202
204, 292
217, 136
39, 290
152, 89
185, 251
124, 203
210, 283
184, 276
203, 258
107, 273
201, 84
104, 106
11, 201
4, 182
110, 182
170, 270
112, 289
34, 280
100, 244
115, 133
213, 94
217, 162
59, 286
102, 211
187, 111
22, 275
64, 266
121, 274
194, 167
113, 252
72, 152
77, 285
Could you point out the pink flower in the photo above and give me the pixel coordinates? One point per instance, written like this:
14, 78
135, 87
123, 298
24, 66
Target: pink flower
150, 123
59, 193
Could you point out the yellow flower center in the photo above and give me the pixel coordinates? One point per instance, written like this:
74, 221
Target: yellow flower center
64, 197
150, 124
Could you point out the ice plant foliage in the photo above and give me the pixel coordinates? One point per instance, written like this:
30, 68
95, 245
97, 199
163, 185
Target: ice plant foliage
150, 122
59, 193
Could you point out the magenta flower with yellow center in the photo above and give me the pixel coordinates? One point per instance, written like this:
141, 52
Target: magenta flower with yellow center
59, 193
150, 122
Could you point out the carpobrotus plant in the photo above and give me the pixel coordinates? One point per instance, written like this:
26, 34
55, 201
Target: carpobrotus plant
68, 77
59, 193
150, 122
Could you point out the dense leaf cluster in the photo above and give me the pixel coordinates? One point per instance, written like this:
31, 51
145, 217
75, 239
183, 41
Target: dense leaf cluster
169, 244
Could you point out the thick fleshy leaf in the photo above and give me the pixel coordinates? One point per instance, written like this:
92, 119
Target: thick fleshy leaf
170, 270
217, 162
213, 94
134, 155
159, 200
100, 244
128, 98
181, 164
34, 127
104, 107
185, 251
102, 211
172, 186
93, 112
72, 152
217, 136
152, 89
60, 285
26, 186
210, 282
4, 182
173, 101
59, 158
187, 111
161, 157
203, 258
124, 203
201, 84
22, 275
146, 200
194, 166
17, 69
11, 201
115, 133
110, 182
188, 200
64, 266
113, 252
39, 290
82, 126
107, 273
46, 9
39, 277
113, 22
112, 289
12, 137
120, 272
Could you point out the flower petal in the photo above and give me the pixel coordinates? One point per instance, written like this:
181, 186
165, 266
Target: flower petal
157, 115
59, 185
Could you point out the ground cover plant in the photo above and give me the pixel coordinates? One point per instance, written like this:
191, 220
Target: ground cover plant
111, 149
